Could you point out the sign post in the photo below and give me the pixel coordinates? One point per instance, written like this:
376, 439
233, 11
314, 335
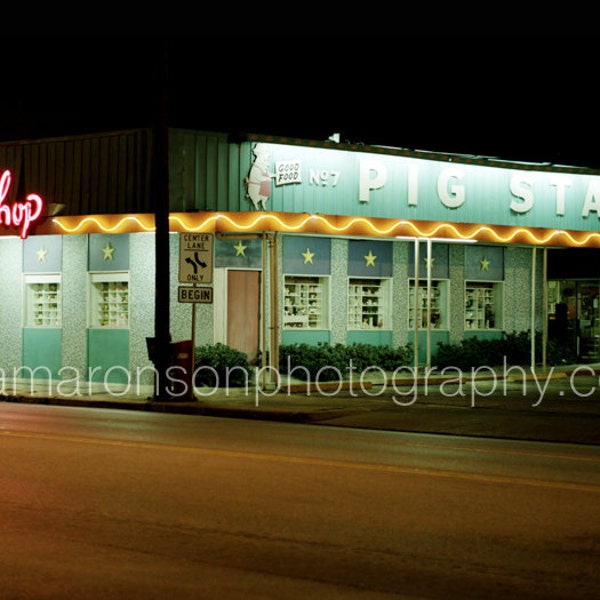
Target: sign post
195, 266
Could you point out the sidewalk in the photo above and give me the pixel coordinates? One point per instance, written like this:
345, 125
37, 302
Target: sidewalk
562, 405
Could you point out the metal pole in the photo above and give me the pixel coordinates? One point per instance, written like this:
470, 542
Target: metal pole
264, 345
274, 282
533, 268
192, 365
428, 363
417, 307
545, 313
162, 351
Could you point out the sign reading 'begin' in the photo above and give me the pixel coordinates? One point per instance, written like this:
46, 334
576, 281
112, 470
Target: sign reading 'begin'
21, 213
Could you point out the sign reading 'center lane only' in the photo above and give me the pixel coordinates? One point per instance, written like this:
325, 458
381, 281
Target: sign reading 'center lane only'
196, 257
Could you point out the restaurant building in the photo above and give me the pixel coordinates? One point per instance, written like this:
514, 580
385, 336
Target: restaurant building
279, 241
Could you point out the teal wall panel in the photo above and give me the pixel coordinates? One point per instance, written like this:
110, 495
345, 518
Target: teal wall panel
483, 335
376, 338
108, 252
484, 263
379, 263
440, 260
436, 337
108, 355
238, 253
42, 254
305, 337
316, 262
42, 352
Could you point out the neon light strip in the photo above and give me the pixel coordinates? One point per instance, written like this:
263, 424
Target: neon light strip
104, 224
320, 224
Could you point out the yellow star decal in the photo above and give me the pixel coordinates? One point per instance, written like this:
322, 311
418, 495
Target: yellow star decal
108, 251
42, 254
239, 249
429, 262
370, 258
485, 264
308, 256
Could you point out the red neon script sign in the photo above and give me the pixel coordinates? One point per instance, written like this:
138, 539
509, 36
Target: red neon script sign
20, 214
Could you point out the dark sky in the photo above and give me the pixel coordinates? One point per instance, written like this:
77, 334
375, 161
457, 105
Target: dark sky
517, 98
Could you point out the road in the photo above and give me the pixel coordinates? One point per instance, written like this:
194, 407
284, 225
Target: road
100, 503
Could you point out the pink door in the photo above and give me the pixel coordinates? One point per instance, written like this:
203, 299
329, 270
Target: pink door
243, 312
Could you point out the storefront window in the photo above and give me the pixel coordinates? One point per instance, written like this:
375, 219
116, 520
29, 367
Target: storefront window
434, 310
574, 316
369, 304
43, 301
109, 300
483, 305
305, 302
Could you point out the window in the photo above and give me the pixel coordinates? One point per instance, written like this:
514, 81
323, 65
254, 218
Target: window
109, 300
483, 305
305, 302
435, 311
369, 304
43, 301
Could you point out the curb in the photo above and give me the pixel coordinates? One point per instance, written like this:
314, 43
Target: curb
194, 408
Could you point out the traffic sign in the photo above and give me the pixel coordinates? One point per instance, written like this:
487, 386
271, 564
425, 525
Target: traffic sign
196, 257
199, 295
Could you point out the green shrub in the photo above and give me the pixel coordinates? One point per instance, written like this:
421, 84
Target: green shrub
515, 348
218, 365
326, 362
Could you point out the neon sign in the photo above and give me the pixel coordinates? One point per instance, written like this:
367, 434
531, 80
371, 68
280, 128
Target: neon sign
22, 213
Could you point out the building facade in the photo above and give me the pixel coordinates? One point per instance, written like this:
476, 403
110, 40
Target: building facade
308, 242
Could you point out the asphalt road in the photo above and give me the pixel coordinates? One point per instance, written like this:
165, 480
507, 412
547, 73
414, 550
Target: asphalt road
102, 503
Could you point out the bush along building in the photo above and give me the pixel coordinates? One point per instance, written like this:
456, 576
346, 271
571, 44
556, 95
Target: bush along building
275, 241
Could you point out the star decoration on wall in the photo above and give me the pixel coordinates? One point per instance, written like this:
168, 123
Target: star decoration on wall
308, 256
108, 251
485, 264
42, 254
370, 258
239, 249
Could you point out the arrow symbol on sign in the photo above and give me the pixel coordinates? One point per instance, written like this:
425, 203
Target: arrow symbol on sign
196, 262
191, 262
200, 262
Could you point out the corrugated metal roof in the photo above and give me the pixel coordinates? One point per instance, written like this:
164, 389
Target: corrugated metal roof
90, 174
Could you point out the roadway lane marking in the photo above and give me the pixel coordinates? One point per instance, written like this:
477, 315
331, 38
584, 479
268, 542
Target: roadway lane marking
497, 451
478, 477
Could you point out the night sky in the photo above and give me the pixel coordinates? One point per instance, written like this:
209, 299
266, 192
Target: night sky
524, 99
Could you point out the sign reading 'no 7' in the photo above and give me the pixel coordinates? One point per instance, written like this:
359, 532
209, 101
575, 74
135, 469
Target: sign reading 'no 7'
196, 257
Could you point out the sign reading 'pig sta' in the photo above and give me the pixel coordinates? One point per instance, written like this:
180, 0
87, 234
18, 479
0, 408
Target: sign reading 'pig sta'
21, 213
